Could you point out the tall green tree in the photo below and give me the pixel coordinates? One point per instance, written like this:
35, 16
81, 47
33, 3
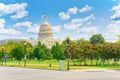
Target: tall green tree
1, 57
82, 41
17, 53
37, 53
97, 38
58, 51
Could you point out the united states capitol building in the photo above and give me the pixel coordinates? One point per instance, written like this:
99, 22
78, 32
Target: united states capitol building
45, 36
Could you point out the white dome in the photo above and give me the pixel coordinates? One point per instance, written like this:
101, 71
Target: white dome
45, 30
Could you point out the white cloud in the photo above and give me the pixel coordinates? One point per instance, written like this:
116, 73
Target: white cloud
77, 20
20, 37
110, 37
85, 9
19, 15
32, 28
2, 23
56, 28
19, 10
93, 30
89, 23
80, 20
23, 24
72, 26
10, 31
73, 10
14, 37
76, 23
113, 28
89, 17
64, 16
116, 16
87, 32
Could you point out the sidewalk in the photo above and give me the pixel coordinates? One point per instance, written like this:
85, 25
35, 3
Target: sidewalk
97, 70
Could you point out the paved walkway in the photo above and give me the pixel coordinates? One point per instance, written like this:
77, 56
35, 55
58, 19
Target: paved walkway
13, 73
100, 70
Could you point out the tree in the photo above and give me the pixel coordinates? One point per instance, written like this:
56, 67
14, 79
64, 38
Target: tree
42, 54
31, 55
96, 52
77, 53
39, 44
8, 47
36, 53
48, 54
58, 51
17, 53
39, 53
114, 50
28, 46
82, 41
97, 38
1, 56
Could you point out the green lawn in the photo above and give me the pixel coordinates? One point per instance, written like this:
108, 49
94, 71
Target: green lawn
55, 65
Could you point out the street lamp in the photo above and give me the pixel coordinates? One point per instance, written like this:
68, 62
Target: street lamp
2, 54
68, 52
25, 56
49, 46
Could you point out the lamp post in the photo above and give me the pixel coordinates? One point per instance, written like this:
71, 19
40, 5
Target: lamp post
25, 56
68, 52
49, 46
2, 54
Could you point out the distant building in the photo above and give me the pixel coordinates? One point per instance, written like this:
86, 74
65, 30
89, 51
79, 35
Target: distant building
45, 35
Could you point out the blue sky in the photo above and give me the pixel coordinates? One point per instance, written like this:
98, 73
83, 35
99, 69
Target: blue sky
76, 18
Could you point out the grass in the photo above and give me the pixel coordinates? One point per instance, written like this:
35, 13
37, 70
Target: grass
45, 64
